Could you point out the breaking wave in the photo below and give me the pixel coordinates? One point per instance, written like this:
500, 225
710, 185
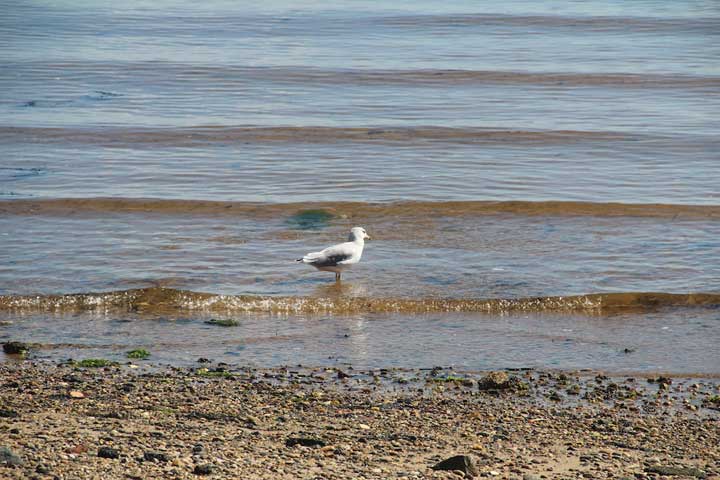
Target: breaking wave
167, 301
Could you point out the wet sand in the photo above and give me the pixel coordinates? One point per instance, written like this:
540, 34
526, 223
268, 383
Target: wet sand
218, 421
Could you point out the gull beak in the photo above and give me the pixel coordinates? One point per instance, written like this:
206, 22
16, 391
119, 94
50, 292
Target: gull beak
367, 237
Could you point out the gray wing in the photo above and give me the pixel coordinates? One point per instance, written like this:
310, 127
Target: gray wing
331, 256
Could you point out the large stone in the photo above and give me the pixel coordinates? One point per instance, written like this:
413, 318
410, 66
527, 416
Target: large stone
15, 348
205, 469
671, 470
495, 381
305, 442
8, 457
155, 457
461, 463
108, 452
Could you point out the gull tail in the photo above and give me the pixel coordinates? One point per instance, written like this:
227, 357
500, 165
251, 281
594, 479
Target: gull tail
310, 257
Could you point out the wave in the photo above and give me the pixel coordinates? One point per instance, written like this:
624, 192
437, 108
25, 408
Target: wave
355, 210
587, 24
167, 301
203, 135
229, 75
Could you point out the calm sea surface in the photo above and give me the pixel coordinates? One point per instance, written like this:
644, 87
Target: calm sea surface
495, 151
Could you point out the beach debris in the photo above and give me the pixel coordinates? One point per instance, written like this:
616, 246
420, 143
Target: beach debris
108, 452
76, 394
77, 449
16, 348
138, 353
461, 463
94, 363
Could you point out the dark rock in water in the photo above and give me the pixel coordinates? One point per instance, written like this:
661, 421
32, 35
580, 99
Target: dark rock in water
462, 463
15, 348
203, 360
205, 469
555, 396
311, 219
660, 379
226, 322
155, 457
305, 442
108, 452
8, 413
670, 470
8, 457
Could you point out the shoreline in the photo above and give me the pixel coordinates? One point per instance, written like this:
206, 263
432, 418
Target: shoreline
220, 421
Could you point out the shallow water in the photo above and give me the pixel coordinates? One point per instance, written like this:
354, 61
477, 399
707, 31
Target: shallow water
496, 151
626, 342
463, 255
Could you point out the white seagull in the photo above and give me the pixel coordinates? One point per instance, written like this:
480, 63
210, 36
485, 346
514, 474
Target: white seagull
341, 256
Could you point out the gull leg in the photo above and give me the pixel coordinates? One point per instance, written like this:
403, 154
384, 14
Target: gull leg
337, 276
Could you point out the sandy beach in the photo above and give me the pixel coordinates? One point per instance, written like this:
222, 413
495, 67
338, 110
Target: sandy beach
136, 421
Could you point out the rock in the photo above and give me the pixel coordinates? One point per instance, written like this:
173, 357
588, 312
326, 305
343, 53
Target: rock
42, 469
461, 463
4, 413
15, 348
108, 452
573, 389
305, 442
155, 457
670, 470
76, 394
205, 469
8, 457
495, 381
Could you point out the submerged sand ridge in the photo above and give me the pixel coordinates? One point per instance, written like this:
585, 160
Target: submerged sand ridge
168, 300
354, 210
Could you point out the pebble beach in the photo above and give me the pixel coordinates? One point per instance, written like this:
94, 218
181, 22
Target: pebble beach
136, 421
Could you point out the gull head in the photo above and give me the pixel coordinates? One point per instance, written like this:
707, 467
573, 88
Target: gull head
358, 233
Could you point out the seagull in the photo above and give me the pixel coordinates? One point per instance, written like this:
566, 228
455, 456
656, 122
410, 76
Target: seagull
340, 256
